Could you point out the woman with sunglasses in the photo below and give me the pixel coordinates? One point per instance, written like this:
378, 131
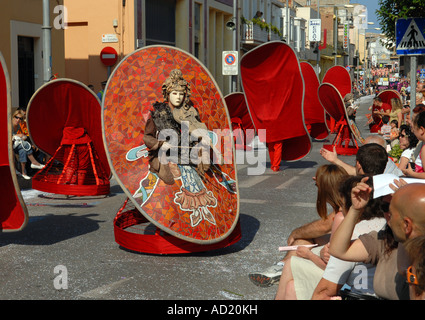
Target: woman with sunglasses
415, 275
408, 143
21, 147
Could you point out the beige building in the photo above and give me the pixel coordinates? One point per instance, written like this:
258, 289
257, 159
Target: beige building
198, 27
21, 44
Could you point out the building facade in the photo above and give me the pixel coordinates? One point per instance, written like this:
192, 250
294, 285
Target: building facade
21, 34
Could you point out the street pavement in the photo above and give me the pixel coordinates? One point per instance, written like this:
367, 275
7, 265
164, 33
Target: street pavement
68, 250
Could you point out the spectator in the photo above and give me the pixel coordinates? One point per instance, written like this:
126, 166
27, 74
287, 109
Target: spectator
415, 249
378, 108
316, 232
339, 272
332, 157
418, 129
406, 220
259, 16
371, 159
385, 129
395, 132
406, 114
328, 180
100, 93
408, 142
21, 146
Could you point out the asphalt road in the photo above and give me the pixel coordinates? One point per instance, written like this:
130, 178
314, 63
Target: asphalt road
68, 250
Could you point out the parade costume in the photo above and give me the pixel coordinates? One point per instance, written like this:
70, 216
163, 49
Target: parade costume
163, 154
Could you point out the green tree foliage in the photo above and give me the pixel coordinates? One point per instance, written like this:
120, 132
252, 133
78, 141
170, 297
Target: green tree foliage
390, 10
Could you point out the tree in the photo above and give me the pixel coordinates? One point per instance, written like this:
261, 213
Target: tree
389, 11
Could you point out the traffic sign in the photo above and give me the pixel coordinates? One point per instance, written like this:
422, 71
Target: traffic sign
230, 63
410, 39
108, 56
314, 29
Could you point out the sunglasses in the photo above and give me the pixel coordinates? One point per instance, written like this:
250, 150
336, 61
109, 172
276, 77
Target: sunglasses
411, 277
16, 117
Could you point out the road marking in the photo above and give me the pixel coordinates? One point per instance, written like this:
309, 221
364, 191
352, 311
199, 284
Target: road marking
104, 290
252, 181
255, 201
302, 204
286, 183
305, 171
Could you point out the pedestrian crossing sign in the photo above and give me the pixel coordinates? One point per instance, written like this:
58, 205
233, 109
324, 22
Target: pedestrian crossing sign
410, 39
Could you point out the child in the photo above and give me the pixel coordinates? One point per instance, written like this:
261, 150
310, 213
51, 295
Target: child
418, 129
394, 133
385, 130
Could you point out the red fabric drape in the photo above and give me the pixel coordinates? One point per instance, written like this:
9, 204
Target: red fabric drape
274, 91
331, 100
314, 113
340, 78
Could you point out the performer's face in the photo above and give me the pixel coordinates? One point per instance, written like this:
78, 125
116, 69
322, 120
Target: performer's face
176, 98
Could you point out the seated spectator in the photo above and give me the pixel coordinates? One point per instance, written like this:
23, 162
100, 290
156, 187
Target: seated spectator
328, 179
418, 129
385, 129
415, 249
332, 157
316, 232
371, 159
408, 143
21, 147
406, 220
395, 131
406, 114
300, 277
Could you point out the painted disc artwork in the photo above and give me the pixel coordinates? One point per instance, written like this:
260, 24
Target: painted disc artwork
13, 211
202, 209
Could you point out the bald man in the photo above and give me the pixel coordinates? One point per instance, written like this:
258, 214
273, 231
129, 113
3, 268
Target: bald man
332, 157
405, 217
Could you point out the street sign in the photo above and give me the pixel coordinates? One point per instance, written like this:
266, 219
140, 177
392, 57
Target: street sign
108, 56
109, 38
410, 38
315, 30
230, 63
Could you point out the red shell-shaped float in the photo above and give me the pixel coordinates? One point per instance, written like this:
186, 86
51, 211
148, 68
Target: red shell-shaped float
274, 90
64, 121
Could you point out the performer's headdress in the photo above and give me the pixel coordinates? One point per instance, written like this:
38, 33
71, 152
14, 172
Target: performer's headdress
176, 82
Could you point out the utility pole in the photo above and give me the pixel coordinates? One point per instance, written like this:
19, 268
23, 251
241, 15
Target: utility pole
235, 40
47, 42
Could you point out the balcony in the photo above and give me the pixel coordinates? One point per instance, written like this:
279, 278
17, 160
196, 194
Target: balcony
253, 35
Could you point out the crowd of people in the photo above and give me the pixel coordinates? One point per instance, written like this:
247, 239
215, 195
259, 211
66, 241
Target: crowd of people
362, 247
